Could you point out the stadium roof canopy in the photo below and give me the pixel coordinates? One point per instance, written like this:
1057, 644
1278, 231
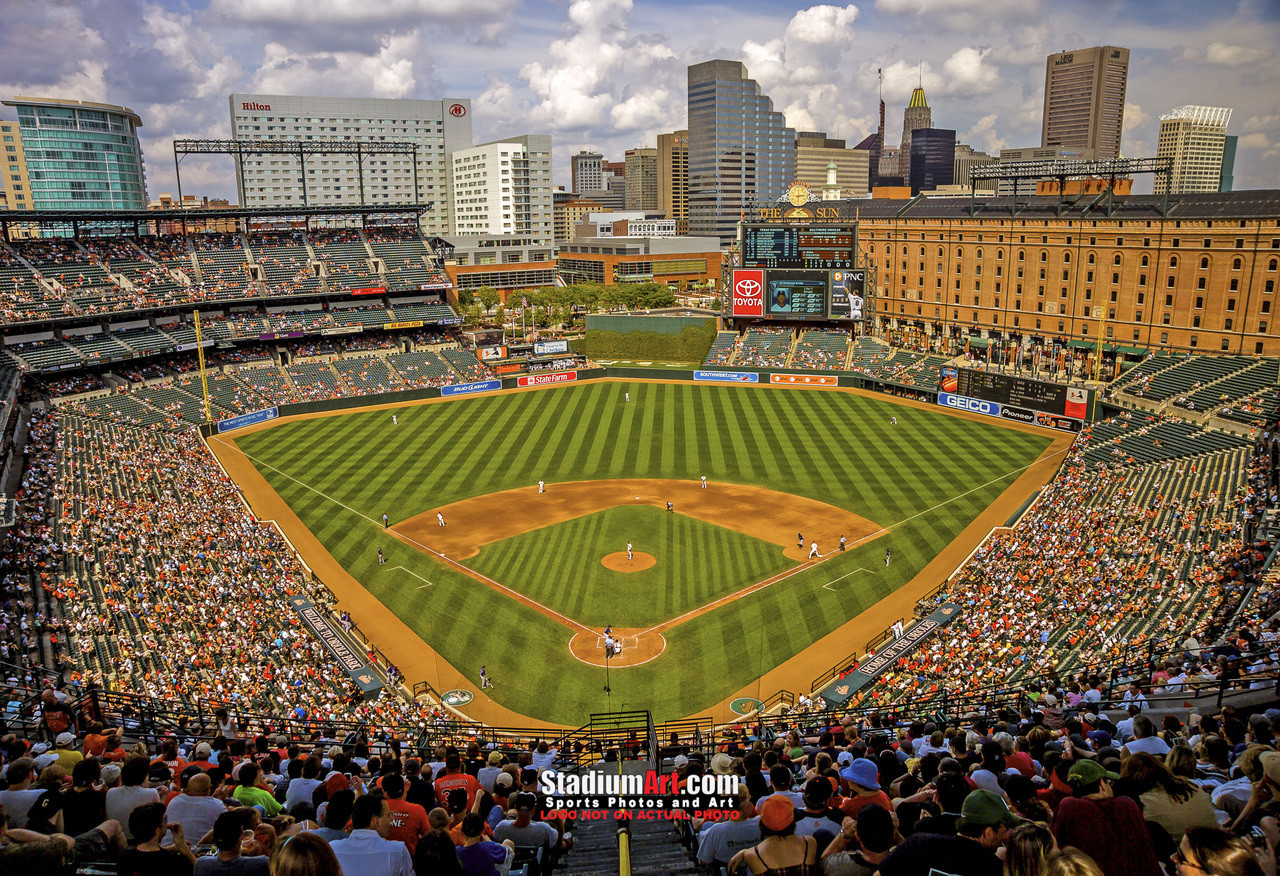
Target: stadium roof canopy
1253, 204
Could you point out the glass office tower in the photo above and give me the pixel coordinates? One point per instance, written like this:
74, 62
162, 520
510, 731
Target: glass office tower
741, 152
81, 155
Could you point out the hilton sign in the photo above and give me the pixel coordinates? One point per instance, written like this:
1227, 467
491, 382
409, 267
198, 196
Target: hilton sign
255, 106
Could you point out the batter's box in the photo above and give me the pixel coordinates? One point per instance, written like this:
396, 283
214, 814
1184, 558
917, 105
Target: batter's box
626, 642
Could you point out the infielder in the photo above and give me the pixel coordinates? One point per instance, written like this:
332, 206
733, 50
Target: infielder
628, 550
704, 482
440, 518
813, 550
542, 488
842, 542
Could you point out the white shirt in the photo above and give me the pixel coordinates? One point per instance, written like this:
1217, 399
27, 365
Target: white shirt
300, 791
195, 814
1151, 745
123, 800
721, 840
543, 761
368, 854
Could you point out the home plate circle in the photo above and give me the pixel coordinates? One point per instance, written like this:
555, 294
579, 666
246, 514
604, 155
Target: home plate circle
620, 563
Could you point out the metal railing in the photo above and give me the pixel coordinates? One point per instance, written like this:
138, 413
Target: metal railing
624, 847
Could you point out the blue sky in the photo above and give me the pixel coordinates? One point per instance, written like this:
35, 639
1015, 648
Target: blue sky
610, 74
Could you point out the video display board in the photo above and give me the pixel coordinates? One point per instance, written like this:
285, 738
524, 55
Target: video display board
1022, 392
825, 247
847, 291
796, 294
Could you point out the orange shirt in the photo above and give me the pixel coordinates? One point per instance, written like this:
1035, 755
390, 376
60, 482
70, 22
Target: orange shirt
94, 745
408, 823
447, 783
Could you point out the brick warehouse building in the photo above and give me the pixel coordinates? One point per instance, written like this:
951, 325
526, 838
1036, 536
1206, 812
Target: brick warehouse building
678, 262
1200, 276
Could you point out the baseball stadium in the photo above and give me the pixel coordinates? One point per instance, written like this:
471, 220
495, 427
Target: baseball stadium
289, 484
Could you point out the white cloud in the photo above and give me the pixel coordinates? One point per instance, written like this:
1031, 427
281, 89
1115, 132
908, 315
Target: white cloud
389, 73
1258, 140
1134, 117
984, 135
967, 74
1233, 56
969, 15
361, 13
823, 25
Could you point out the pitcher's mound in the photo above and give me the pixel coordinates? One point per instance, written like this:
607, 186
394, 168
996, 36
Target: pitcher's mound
619, 563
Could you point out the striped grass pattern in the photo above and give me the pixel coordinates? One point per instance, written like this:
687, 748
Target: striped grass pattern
924, 479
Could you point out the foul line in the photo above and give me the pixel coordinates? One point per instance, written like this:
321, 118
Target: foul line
827, 586
472, 573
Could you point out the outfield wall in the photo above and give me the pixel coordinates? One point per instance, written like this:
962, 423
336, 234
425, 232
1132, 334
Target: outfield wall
739, 376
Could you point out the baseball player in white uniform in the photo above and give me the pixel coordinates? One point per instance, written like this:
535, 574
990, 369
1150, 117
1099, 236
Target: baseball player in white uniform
628, 550
440, 518
813, 550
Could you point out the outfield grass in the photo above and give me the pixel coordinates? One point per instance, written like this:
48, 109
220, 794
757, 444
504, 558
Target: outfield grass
559, 566
924, 479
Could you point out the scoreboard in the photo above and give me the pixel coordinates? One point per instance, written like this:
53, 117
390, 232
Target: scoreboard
820, 247
1020, 398
799, 272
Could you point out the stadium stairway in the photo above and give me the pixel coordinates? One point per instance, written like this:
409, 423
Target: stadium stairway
655, 849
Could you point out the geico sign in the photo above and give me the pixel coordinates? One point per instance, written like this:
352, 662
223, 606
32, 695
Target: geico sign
965, 403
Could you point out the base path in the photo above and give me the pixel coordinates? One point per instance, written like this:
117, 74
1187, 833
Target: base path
760, 512
620, 562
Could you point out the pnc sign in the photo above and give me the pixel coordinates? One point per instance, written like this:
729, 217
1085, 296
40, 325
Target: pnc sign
457, 110
748, 293
255, 106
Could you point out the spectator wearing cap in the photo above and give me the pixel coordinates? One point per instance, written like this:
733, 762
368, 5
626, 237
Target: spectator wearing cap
367, 851
228, 833
981, 830
1109, 829
487, 773
65, 752
250, 793
523, 830
194, 808
408, 821
132, 793
780, 850
871, 836
21, 794
861, 781
720, 841
1144, 740
1264, 791
202, 754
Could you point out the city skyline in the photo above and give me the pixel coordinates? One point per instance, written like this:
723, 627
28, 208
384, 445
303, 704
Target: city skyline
609, 75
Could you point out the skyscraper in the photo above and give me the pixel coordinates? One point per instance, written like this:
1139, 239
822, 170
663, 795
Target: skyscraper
80, 155
1194, 139
917, 115
587, 172
740, 149
1084, 99
815, 151
641, 192
673, 177
933, 152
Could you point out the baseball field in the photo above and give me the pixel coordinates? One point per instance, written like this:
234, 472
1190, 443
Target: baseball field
720, 587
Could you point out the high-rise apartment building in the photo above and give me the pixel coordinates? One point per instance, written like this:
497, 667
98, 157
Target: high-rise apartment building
1194, 139
504, 188
641, 179
587, 172
673, 177
15, 184
965, 160
1084, 99
740, 149
815, 150
917, 115
568, 212
438, 127
79, 155
933, 152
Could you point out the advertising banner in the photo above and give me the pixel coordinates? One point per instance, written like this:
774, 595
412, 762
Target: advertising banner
449, 320
804, 379
342, 330
352, 661
413, 323
748, 293
427, 287
542, 348
248, 419
369, 290
490, 354
544, 379
465, 388
837, 692
182, 348
964, 403
728, 376
1077, 402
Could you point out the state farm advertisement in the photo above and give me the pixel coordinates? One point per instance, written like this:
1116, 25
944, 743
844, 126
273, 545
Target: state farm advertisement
544, 379
748, 293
